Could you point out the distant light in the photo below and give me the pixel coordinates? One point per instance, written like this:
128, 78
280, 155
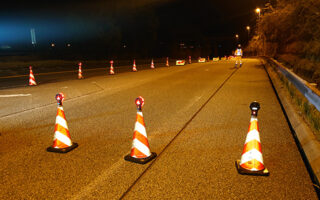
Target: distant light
248, 28
68, 45
237, 36
124, 46
53, 45
258, 10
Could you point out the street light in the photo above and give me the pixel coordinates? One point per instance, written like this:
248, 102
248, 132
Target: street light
248, 29
258, 11
237, 38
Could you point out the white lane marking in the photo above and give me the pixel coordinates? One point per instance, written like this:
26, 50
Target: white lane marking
14, 95
103, 177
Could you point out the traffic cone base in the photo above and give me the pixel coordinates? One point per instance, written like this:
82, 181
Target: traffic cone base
243, 171
62, 150
140, 160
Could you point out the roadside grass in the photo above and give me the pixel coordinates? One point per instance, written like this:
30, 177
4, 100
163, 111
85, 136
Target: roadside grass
306, 68
308, 111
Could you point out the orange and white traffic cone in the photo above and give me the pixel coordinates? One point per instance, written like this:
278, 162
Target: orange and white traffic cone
152, 64
62, 140
251, 162
80, 71
111, 71
167, 62
140, 151
189, 59
32, 80
134, 67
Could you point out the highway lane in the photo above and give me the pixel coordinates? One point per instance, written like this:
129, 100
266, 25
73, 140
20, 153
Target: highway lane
45, 72
199, 163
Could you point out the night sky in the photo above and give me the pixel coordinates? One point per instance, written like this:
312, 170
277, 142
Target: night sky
133, 23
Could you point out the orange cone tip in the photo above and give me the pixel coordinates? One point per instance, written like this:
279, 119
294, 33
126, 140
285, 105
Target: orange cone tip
251, 162
140, 151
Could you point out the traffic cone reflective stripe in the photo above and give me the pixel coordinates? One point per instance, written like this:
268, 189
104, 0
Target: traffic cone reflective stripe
251, 159
62, 135
134, 67
140, 150
140, 145
152, 64
32, 80
80, 71
167, 62
111, 71
61, 141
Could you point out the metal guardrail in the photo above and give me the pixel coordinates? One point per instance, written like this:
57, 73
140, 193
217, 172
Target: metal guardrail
300, 84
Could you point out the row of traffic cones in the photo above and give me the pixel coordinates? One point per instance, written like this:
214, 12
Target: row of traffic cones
140, 151
32, 80
251, 162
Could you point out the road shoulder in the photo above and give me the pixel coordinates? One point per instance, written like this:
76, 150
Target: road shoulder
308, 143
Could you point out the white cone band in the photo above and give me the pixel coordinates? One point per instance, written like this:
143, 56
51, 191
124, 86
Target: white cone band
62, 122
141, 147
63, 138
250, 155
253, 135
32, 81
141, 129
253, 119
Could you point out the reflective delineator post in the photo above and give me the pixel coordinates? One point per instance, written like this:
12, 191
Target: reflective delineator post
62, 141
251, 162
140, 151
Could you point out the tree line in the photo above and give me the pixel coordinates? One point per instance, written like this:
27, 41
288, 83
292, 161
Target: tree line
289, 30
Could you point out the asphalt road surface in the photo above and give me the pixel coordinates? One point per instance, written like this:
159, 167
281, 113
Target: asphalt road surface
196, 116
